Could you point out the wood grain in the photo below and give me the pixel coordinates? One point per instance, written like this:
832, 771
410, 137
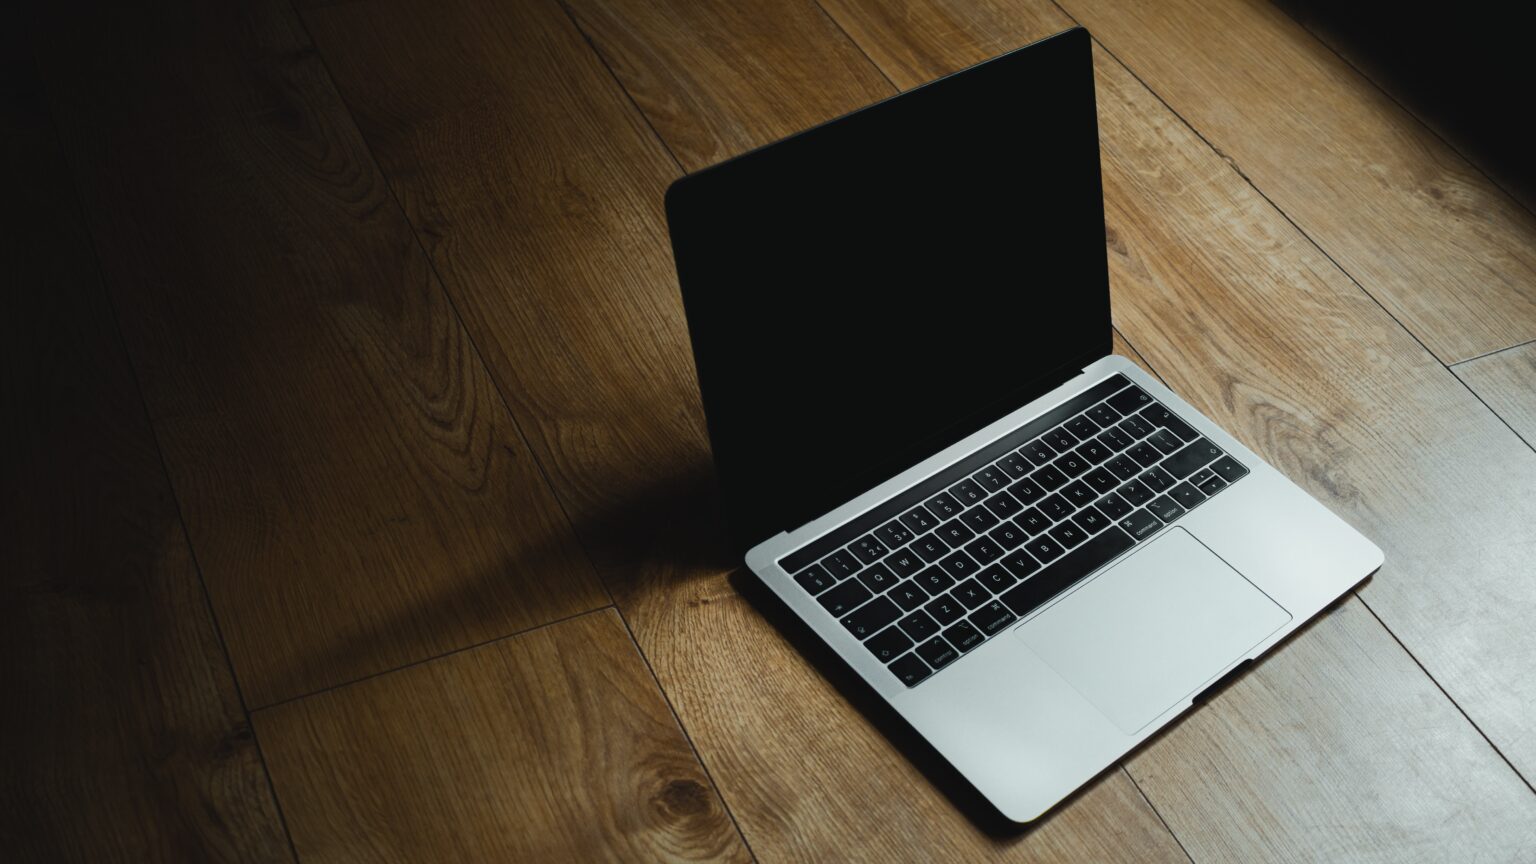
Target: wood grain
357, 494
1336, 748
564, 274
1507, 382
1444, 249
550, 746
1252, 324
124, 735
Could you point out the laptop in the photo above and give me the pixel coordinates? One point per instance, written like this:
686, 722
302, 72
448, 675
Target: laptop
1034, 551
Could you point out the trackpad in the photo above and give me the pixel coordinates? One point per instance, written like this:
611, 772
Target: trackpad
1152, 629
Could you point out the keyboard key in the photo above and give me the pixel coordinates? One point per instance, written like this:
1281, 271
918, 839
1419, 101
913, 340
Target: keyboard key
963, 636
894, 534
878, 578
1188, 496
967, 492
1164, 441
1157, 415
1078, 493
1145, 454
872, 617
984, 550
908, 596
1020, 564
1165, 508
1044, 548
845, 597
904, 562
944, 609
954, 532
1004, 506
1072, 465
920, 625
970, 594
1026, 491
942, 506
1140, 524
1092, 452
1032, 521
1102, 481
1130, 400
815, 579
910, 669
841, 564
1056, 507
1157, 480
1014, 465
1134, 427
1068, 535
1193, 457
1211, 485
918, 520
1060, 438
1113, 506
979, 519
959, 565
888, 644
1038, 452
867, 549
996, 578
1102, 414
934, 580
1135, 493
1123, 467
1115, 440
1091, 520
1036, 590
930, 548
1229, 469
992, 617
1082, 427
1007, 536
991, 479
1049, 478
937, 653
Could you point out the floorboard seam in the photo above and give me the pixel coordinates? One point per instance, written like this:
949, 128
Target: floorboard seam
165, 473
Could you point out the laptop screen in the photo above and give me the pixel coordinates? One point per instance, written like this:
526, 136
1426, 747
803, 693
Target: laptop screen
869, 291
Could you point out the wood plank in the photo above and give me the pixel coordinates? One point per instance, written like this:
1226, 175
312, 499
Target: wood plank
1507, 382
357, 494
570, 287
125, 736
1444, 249
550, 746
1256, 327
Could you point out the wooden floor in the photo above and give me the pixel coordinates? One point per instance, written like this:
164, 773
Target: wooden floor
358, 505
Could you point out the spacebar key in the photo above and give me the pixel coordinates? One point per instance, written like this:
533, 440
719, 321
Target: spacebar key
1027, 596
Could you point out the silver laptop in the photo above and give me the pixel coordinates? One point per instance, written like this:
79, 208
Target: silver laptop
1036, 553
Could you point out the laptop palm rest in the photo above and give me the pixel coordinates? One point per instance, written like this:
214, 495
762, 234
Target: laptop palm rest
1154, 628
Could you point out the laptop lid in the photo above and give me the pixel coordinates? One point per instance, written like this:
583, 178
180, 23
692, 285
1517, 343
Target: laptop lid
866, 292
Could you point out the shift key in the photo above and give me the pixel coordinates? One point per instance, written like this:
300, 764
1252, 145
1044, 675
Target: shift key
1192, 458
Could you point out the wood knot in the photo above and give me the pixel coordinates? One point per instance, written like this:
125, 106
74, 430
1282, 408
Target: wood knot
683, 798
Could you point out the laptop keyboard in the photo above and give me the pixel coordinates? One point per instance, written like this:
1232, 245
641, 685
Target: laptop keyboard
926, 581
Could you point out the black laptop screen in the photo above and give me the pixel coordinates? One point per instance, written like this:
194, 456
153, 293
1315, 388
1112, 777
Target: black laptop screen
871, 290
